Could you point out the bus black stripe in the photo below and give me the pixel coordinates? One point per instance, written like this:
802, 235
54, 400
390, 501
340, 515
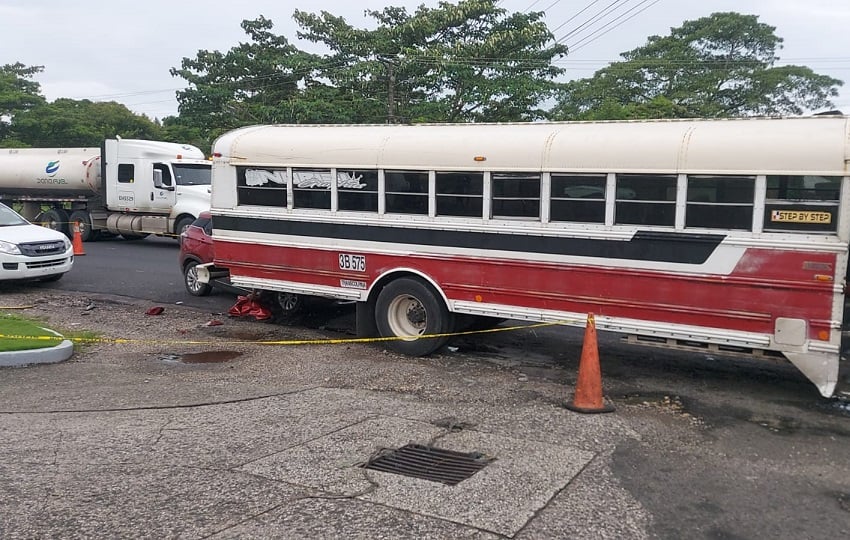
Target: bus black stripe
672, 247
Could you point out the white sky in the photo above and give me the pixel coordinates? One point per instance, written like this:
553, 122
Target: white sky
109, 50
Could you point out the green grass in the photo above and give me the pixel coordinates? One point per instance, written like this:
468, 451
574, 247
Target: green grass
20, 334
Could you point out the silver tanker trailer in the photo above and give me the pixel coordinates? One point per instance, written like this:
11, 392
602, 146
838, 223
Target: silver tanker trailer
129, 187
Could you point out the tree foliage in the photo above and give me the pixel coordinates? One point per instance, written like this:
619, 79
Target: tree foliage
470, 61
18, 93
71, 123
252, 83
718, 66
27, 119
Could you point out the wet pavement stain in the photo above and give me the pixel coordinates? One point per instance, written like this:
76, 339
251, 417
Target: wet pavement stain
205, 357
210, 357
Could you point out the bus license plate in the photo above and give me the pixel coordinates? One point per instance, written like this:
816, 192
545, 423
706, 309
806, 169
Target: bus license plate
352, 262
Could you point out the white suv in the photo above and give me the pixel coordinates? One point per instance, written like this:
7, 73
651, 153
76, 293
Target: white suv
31, 252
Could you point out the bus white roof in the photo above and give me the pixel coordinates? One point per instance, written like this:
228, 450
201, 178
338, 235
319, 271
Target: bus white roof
805, 145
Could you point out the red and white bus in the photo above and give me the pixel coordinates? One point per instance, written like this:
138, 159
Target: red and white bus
730, 235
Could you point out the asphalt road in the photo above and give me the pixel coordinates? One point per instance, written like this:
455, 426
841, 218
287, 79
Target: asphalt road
703, 446
145, 269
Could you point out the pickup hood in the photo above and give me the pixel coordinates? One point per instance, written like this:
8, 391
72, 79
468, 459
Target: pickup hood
22, 234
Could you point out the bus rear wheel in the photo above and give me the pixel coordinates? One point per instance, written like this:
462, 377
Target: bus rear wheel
408, 308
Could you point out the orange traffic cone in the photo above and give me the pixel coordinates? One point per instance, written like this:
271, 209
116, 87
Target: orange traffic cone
78, 240
588, 395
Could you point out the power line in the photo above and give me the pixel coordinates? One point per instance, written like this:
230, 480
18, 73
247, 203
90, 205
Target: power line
598, 33
601, 14
585, 8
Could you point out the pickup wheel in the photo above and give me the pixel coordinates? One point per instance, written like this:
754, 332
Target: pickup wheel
411, 308
190, 280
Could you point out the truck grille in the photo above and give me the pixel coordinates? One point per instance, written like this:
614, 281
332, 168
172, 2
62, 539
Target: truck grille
48, 263
40, 249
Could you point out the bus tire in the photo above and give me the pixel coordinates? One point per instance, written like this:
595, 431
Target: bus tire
411, 307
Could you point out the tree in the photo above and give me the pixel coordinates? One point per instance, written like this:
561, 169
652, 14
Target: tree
69, 122
249, 84
18, 93
470, 61
722, 65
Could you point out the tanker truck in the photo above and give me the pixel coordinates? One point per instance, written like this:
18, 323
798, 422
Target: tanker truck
129, 187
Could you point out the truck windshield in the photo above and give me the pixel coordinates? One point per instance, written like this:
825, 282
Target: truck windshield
192, 174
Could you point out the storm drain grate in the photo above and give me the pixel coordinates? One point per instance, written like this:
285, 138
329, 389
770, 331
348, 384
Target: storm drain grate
429, 463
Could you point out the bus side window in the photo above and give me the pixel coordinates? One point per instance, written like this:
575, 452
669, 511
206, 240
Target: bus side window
578, 198
406, 192
261, 187
357, 190
804, 203
460, 194
646, 199
720, 202
311, 188
516, 195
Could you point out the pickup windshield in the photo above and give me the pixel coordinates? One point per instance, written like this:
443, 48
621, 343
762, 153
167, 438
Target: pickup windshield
192, 174
9, 217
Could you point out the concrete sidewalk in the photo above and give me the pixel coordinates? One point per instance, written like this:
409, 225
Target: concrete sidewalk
171, 440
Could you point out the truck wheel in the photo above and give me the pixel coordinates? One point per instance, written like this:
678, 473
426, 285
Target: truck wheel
410, 307
190, 280
87, 233
56, 219
181, 226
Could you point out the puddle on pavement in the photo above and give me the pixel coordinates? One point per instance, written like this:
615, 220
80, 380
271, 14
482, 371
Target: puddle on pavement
205, 357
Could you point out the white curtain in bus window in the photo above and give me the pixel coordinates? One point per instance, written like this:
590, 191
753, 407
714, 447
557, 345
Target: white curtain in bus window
261, 186
311, 188
802, 203
460, 194
357, 190
720, 202
646, 199
578, 198
406, 192
515, 195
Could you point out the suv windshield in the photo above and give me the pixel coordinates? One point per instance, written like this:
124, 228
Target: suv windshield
193, 175
9, 217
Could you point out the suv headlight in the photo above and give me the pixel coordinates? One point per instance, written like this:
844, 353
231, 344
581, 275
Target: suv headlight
67, 243
10, 248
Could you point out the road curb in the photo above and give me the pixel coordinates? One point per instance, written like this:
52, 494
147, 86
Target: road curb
46, 355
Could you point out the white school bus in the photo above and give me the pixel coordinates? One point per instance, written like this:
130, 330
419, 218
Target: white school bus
726, 235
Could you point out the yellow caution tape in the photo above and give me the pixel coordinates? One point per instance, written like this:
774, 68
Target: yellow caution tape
340, 341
